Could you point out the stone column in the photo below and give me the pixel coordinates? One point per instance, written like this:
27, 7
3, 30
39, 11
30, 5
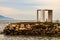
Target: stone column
49, 15
37, 15
42, 16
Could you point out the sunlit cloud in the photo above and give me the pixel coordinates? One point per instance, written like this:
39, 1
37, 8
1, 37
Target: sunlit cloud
16, 13
8, 10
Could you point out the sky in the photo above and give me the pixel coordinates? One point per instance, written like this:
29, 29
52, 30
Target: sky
26, 9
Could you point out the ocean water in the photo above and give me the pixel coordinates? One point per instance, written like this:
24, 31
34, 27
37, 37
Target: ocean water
22, 37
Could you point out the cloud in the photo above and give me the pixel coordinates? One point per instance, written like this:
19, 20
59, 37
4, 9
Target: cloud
8, 10
16, 13
29, 7
49, 3
3, 0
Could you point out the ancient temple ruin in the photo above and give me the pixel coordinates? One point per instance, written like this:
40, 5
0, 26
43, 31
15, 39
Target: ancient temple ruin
42, 14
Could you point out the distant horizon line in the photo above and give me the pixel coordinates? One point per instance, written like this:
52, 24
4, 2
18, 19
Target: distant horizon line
31, 20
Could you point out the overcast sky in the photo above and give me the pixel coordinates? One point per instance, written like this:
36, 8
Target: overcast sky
26, 9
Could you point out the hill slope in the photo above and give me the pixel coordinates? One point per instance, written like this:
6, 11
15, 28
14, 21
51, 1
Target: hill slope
5, 18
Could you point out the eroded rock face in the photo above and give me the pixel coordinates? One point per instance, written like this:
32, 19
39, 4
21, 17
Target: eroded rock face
32, 29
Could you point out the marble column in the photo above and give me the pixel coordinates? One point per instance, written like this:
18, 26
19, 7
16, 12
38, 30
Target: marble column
37, 15
49, 15
42, 16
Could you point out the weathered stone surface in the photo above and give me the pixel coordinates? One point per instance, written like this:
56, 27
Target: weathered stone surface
51, 29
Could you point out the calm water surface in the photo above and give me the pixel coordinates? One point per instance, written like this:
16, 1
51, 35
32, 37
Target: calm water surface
22, 37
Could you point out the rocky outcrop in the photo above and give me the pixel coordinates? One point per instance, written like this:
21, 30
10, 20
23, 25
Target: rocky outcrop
32, 29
